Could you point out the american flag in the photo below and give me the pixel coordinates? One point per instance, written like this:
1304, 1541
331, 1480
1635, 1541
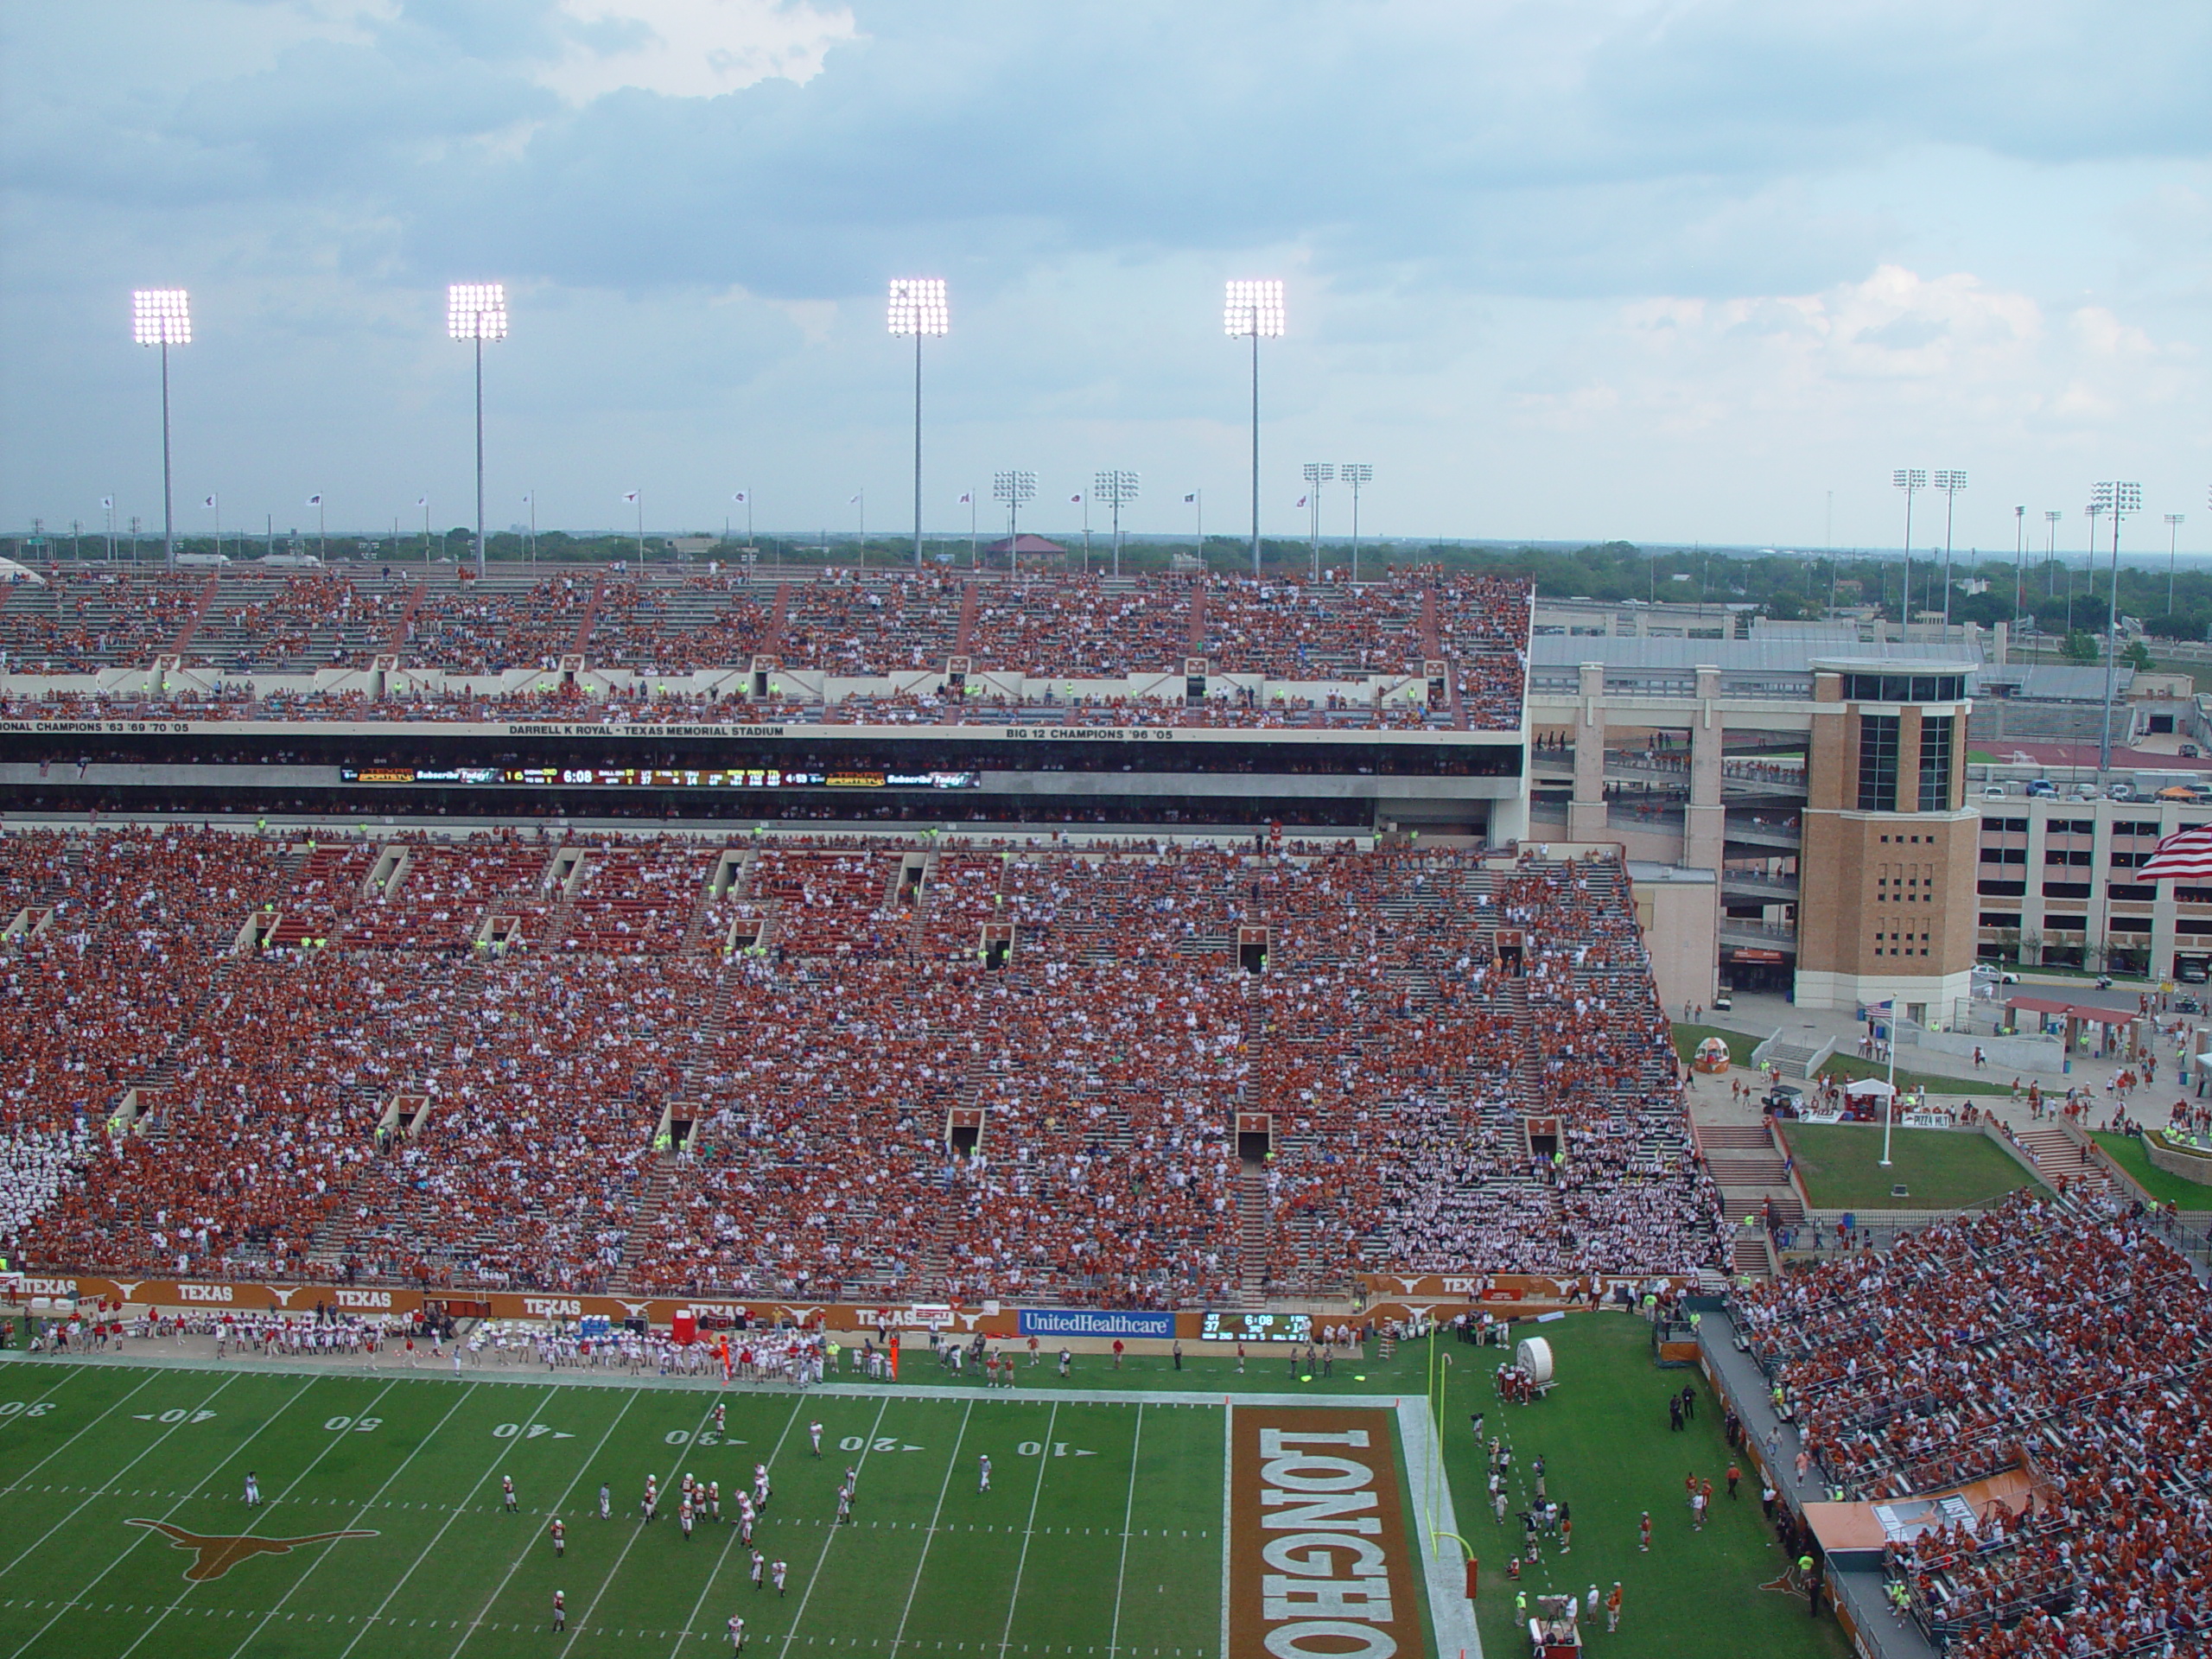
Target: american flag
2186, 854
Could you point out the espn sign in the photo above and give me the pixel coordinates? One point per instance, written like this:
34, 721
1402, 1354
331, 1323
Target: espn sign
1320, 1563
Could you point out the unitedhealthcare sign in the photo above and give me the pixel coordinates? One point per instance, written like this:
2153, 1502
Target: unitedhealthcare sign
1085, 1322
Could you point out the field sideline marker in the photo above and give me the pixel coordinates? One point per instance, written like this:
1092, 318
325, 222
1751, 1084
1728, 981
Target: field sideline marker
812, 1578
454, 1514
1228, 1484
359, 1515
774, 1453
623, 1555
959, 1439
329, 1446
1128, 1514
122, 1555
1021, 1562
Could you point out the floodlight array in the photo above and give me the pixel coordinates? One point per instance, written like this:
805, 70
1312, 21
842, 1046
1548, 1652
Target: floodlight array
1253, 308
476, 311
1115, 487
2112, 497
1013, 487
918, 306
1951, 483
1909, 478
161, 316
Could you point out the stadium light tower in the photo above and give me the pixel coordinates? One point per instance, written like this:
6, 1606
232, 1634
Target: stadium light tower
918, 307
2050, 518
2173, 553
477, 312
1355, 473
163, 317
1316, 474
1950, 484
2120, 499
1909, 479
1014, 487
1117, 489
1253, 310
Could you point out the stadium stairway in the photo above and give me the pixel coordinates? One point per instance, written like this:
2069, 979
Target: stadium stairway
2054, 1153
1750, 1175
1251, 1237
659, 1182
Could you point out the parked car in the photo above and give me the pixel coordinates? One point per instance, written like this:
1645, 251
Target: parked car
2042, 786
1723, 1003
1783, 1101
1992, 792
2189, 752
2122, 791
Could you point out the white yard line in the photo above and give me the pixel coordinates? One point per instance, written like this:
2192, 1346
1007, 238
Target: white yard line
674, 1471
144, 1532
104, 1486
959, 1438
1128, 1514
1227, 1473
359, 1515
1044, 1457
722, 1560
73, 1438
330, 1445
454, 1514
60, 1382
813, 1577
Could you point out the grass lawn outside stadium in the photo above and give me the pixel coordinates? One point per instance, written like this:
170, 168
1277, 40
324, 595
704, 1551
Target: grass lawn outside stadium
1102, 1533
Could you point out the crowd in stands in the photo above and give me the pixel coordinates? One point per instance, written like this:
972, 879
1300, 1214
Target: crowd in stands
1039, 643
2061, 1340
830, 1067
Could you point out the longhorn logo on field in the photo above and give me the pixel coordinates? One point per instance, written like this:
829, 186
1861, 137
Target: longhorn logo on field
217, 1555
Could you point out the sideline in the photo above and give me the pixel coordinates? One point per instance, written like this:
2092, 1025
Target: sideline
525, 1377
1452, 1616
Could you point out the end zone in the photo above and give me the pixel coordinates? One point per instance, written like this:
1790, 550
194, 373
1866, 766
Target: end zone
1325, 1556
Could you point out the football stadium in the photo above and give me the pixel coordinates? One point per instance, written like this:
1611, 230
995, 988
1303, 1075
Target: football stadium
778, 1110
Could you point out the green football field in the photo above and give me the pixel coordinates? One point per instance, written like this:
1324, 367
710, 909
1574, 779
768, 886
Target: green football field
1102, 1533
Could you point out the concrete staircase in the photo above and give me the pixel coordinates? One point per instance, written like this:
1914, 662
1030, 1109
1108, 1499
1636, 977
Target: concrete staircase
1251, 1237
2055, 1155
1751, 1176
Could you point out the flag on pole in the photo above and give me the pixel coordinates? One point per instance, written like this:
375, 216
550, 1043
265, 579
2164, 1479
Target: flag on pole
209, 502
854, 500
967, 497
1301, 500
629, 495
107, 501
739, 496
314, 500
421, 500
1191, 499
2185, 855
525, 500
1078, 496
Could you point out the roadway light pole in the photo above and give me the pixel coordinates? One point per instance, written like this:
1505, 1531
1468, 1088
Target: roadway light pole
1910, 480
163, 317
477, 312
1355, 473
1117, 488
2050, 518
1950, 484
2020, 561
918, 307
1253, 309
1014, 487
2088, 564
1317, 473
2120, 499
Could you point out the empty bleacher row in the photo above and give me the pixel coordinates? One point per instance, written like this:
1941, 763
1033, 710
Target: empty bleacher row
903, 627
840, 1067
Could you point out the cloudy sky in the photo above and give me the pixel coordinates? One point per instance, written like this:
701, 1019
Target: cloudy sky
1663, 269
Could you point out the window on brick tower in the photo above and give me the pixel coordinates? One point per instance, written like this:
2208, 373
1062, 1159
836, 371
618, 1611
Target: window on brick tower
1936, 737
1877, 763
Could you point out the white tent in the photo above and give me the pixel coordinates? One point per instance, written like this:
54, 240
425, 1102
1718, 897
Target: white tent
12, 571
1874, 1086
